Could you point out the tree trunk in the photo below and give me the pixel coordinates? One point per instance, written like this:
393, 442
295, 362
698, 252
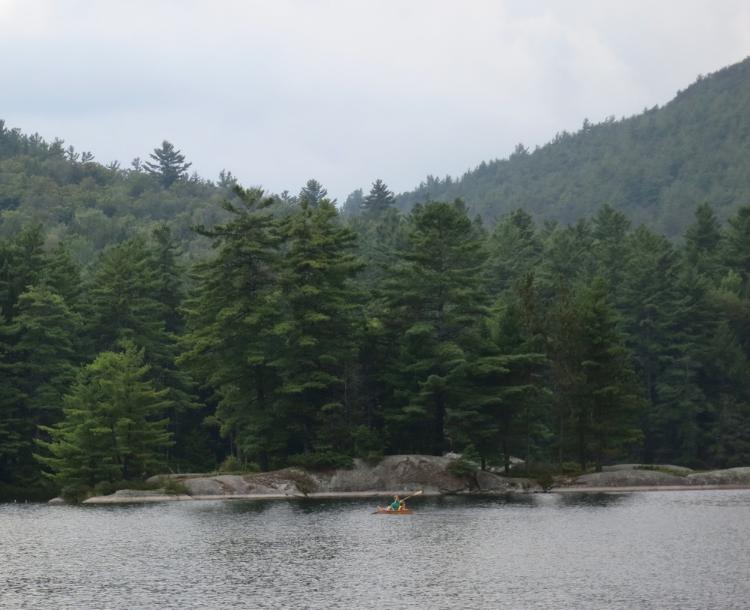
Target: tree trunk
582, 443
438, 441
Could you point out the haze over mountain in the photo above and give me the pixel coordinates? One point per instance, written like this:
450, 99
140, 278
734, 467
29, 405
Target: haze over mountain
655, 167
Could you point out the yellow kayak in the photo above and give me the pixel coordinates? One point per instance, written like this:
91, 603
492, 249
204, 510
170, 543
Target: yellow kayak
385, 511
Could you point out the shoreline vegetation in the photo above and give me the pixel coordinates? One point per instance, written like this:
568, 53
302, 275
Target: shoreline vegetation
404, 474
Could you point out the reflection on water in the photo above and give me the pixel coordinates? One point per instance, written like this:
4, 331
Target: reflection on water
662, 550
604, 499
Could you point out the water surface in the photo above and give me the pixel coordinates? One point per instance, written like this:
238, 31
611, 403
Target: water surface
663, 550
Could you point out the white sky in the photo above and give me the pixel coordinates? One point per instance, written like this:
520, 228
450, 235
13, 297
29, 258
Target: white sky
347, 91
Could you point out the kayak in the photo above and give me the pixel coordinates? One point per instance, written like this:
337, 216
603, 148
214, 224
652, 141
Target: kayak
385, 511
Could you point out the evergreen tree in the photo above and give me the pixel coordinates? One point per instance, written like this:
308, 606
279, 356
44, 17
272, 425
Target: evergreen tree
21, 265
353, 204
664, 323
62, 274
606, 411
724, 372
312, 194
737, 247
45, 351
703, 241
122, 302
514, 251
124, 305
379, 200
229, 345
169, 276
500, 392
112, 429
317, 329
609, 229
168, 164
434, 301
15, 426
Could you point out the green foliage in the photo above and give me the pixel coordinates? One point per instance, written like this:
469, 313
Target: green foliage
321, 460
655, 167
233, 465
175, 487
106, 488
228, 343
316, 331
378, 201
168, 164
461, 467
368, 444
110, 430
304, 336
434, 299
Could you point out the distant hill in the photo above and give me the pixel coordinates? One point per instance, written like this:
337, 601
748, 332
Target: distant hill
89, 205
655, 167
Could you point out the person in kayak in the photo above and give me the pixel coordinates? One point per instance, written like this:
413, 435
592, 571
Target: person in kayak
396, 505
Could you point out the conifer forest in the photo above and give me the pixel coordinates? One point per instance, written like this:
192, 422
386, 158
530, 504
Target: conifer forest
154, 321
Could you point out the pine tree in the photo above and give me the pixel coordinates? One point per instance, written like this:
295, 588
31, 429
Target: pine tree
353, 204
665, 328
499, 392
737, 247
229, 345
312, 194
168, 164
514, 251
703, 242
317, 329
62, 274
609, 229
16, 429
112, 429
379, 200
21, 265
46, 351
169, 276
608, 408
434, 301
124, 305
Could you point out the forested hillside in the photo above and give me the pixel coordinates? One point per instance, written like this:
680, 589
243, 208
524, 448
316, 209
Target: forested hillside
151, 320
88, 205
655, 167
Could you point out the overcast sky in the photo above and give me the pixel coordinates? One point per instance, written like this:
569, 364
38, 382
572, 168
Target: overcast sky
347, 91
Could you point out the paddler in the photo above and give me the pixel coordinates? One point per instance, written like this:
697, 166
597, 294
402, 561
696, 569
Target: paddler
396, 505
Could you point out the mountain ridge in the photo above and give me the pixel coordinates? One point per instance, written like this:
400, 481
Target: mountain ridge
656, 166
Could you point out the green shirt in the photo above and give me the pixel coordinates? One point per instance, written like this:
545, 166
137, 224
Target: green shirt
396, 504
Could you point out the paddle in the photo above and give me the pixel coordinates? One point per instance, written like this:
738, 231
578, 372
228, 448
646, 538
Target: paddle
417, 493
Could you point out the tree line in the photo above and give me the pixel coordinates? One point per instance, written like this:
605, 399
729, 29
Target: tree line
307, 337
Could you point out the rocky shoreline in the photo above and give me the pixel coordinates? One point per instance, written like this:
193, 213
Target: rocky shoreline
402, 474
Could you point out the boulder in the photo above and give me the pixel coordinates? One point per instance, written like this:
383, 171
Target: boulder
203, 486
396, 473
730, 476
668, 468
138, 493
629, 478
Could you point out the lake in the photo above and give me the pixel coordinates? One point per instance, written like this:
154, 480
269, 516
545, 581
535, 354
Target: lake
663, 550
